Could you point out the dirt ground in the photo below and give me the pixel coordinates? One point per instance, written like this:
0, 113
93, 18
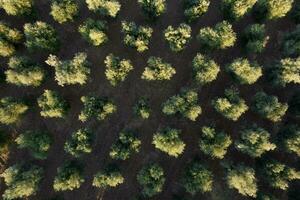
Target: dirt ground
126, 94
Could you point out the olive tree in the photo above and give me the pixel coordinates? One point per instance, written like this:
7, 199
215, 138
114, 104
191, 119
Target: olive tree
21, 180
272, 9
70, 72
167, 140
294, 105
69, 177
136, 36
24, 72
243, 71
193, 9
291, 42
126, 145
17, 7
221, 36
11, 110
117, 69
214, 143
9, 38
296, 13
236, 9
151, 177
64, 10
104, 7
269, 107
178, 37
94, 31
197, 178
41, 36
153, 8
158, 70
290, 139
184, 103
110, 177
231, 106
5, 141
142, 109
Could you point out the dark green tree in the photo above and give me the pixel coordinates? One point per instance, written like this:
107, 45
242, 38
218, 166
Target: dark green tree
291, 42
11, 110
9, 38
272, 9
142, 108
290, 139
153, 8
236, 9
193, 9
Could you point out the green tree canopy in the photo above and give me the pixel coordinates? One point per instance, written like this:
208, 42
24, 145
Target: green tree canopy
11, 110
108, 178
272, 9
153, 8
17, 7
193, 9
291, 42
290, 139
105, 7
142, 108
178, 37
236, 9
9, 38
64, 10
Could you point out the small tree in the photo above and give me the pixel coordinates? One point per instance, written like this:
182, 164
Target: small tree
294, 105
22, 181
178, 37
272, 9
80, 143
205, 69
151, 178
37, 142
291, 42
221, 36
279, 175
254, 38
116, 69
236, 9
52, 105
108, 178
64, 10
11, 110
269, 107
153, 8
167, 140
70, 72
17, 7
291, 139
231, 106
244, 71
142, 108
24, 72
69, 177
193, 9
184, 103
254, 142
93, 31
9, 38
242, 179
105, 7
213, 143
126, 145
5, 141
135, 36
41, 36
97, 107
262, 196
158, 70
296, 13
197, 178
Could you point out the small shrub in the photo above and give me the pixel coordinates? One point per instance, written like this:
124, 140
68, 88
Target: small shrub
236, 9
193, 9
11, 110
272, 9
64, 10
108, 178
9, 38
17, 7
105, 7
178, 37
142, 108
153, 8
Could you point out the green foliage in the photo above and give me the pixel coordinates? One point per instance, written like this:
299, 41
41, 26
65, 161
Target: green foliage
254, 38
142, 108
80, 143
24, 72
9, 37
157, 69
184, 103
135, 36
294, 105
126, 145
236, 9
221, 36
11, 110
243, 71
269, 107
262, 196
97, 107
69, 177
296, 13
167, 140
178, 37
21, 181
52, 105
17, 7
151, 178
108, 178
94, 31
37, 142
4, 143
104, 7
193, 9
213, 143
205, 69
291, 42
116, 69
279, 175
243, 180
64, 10
254, 142
291, 139
231, 106
153, 8
197, 179
70, 72
41, 36
272, 9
